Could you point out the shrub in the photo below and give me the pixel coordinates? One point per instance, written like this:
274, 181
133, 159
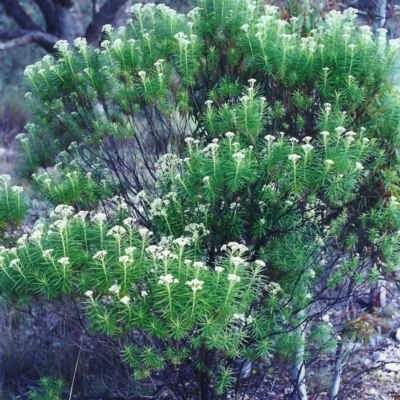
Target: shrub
254, 175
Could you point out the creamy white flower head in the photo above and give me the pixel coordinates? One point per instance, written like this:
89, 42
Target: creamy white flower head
5, 178
182, 241
129, 250
62, 46
294, 157
144, 293
239, 156
240, 317
23, 240
352, 46
107, 29
339, 130
99, 218
233, 278
235, 248
260, 263
393, 201
60, 224
229, 135
125, 259
153, 249
89, 293
199, 265
117, 44
189, 140
219, 269
167, 280
81, 215
359, 166
64, 210
245, 27
14, 263
125, 300
80, 43
269, 138
195, 284
273, 288
105, 44
47, 253
117, 231
100, 255
307, 148
17, 189
293, 140
115, 288
142, 75
166, 255
325, 134
329, 162
63, 261
36, 236
129, 222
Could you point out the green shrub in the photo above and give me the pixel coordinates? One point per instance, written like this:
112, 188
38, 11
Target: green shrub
255, 180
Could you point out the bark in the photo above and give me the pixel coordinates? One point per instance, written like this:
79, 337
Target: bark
21, 37
104, 16
63, 20
14, 10
69, 20
298, 373
49, 15
335, 387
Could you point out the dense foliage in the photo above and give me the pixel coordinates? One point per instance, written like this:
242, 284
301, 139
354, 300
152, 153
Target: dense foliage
222, 182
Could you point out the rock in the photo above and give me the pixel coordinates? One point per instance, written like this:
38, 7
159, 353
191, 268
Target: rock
393, 366
380, 357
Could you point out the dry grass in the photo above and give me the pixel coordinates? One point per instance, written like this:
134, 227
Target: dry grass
47, 342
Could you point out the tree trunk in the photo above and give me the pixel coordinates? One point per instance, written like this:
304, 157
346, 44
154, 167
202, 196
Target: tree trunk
69, 20
298, 373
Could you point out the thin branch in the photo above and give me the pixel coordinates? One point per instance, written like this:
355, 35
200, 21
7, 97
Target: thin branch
18, 14
22, 36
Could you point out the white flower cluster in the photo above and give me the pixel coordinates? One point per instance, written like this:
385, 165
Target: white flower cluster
63, 211
167, 280
158, 207
241, 318
167, 166
234, 248
195, 284
116, 231
273, 288
196, 230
